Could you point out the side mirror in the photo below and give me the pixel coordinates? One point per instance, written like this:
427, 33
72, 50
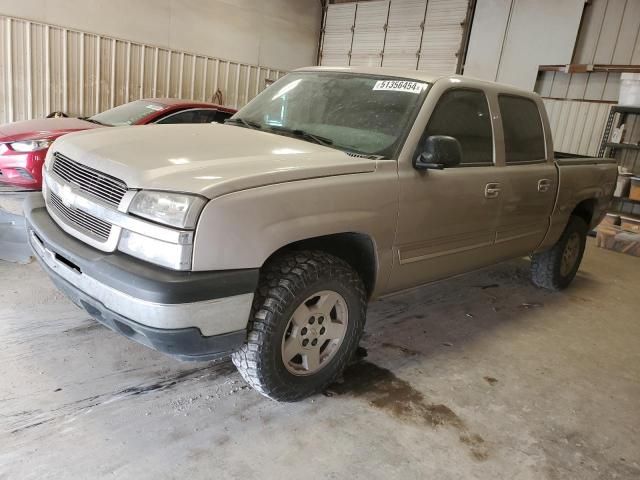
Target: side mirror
440, 151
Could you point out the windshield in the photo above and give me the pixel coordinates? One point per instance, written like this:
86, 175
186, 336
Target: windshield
127, 114
364, 114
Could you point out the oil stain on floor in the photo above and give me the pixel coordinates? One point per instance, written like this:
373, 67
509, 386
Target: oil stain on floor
383, 390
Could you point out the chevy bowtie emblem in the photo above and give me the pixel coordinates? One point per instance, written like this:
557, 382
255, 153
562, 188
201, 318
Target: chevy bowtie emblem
67, 196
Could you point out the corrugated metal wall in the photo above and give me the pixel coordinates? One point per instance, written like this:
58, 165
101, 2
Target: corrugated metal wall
577, 127
578, 103
595, 86
45, 68
416, 34
610, 33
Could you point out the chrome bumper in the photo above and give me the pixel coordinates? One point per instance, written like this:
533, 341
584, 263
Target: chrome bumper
211, 317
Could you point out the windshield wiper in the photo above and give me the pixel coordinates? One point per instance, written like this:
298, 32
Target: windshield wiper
296, 132
243, 123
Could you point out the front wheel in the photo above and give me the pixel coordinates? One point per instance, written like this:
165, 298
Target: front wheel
307, 320
555, 268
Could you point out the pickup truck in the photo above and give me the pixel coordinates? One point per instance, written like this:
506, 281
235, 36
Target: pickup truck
266, 237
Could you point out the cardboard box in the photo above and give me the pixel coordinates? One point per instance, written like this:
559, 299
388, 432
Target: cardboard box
612, 238
630, 224
634, 193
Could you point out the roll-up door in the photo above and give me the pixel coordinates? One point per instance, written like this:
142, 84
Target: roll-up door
404, 34
369, 33
338, 34
443, 35
427, 35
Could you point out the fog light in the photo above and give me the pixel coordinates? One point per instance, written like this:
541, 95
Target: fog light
23, 173
170, 255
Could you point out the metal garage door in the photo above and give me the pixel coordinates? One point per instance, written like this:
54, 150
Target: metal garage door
369, 33
419, 34
443, 35
404, 34
338, 34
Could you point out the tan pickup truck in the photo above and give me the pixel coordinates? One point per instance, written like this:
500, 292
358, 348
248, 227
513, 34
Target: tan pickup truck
265, 238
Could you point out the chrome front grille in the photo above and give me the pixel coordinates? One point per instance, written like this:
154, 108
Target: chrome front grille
105, 187
92, 226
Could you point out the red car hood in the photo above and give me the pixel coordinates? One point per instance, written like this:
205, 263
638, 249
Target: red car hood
42, 128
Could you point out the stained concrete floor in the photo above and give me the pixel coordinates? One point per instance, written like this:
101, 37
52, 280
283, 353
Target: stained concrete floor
483, 376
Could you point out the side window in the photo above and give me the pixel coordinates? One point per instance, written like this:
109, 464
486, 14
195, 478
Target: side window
221, 116
181, 117
204, 116
464, 115
523, 134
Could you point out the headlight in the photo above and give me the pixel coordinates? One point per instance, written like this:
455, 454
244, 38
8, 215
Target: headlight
30, 145
174, 209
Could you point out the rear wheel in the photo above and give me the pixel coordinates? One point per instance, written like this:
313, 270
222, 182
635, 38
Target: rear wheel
555, 268
307, 320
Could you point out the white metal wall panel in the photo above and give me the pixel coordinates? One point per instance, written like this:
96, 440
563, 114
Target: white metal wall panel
443, 30
45, 68
369, 33
538, 33
404, 33
486, 41
338, 34
610, 33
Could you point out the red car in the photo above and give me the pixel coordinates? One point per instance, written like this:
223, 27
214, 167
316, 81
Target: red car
23, 145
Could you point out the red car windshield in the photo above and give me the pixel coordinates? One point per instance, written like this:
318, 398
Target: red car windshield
127, 114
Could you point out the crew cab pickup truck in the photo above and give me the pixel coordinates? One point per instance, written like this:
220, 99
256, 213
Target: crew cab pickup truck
266, 237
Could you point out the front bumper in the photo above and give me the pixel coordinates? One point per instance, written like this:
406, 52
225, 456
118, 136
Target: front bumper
190, 315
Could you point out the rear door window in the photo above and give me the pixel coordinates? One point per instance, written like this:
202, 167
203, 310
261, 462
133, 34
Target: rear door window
523, 133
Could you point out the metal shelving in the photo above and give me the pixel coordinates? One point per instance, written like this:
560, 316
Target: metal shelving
621, 151
623, 112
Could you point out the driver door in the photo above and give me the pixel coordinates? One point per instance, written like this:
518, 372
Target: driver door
448, 218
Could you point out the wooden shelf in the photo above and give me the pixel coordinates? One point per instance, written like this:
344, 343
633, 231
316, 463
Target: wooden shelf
586, 68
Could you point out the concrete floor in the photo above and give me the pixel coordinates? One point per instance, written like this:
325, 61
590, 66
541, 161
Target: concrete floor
483, 376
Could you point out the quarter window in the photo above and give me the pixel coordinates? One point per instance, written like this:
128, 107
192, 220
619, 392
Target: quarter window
464, 115
523, 134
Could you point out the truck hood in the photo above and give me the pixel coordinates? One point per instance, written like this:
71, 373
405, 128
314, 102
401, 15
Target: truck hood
42, 128
207, 159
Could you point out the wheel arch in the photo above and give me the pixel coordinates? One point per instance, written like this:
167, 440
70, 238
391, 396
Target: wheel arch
357, 249
585, 210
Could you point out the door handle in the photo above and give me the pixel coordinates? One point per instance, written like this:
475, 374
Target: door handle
544, 184
492, 190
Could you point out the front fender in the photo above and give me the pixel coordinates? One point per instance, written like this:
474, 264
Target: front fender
242, 229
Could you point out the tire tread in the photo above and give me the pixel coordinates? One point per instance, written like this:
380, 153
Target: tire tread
279, 281
545, 266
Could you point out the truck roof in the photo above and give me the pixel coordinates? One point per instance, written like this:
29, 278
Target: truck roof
420, 75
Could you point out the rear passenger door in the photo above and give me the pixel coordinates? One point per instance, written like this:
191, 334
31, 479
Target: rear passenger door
529, 192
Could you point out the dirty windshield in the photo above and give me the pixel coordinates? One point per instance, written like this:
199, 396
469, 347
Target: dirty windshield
362, 114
